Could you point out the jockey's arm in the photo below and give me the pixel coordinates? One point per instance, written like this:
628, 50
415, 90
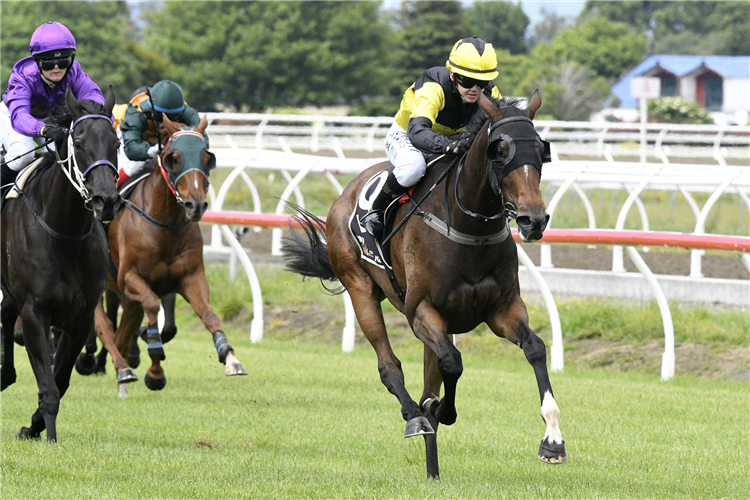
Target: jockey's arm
134, 125
429, 100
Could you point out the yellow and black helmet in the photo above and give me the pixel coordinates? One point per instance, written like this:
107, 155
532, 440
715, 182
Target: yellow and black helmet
473, 58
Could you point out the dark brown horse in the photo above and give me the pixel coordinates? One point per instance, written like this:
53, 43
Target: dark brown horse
54, 261
454, 262
157, 248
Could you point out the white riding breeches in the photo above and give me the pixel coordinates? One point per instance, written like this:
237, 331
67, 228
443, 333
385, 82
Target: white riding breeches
130, 167
409, 162
15, 143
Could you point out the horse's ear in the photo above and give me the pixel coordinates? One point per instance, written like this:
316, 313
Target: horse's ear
489, 109
169, 124
72, 102
534, 104
201, 129
109, 100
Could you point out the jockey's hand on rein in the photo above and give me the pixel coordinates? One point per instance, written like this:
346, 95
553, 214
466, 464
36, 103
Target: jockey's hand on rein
459, 146
57, 134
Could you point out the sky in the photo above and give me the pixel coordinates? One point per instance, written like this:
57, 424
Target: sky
532, 8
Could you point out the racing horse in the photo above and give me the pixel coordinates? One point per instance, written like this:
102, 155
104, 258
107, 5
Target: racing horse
454, 263
54, 251
157, 250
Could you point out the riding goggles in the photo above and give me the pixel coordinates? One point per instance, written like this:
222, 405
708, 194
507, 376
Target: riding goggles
469, 83
60, 62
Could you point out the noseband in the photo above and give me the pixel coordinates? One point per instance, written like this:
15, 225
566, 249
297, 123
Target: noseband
72, 172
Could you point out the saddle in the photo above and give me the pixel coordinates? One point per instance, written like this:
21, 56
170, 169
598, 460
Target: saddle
13, 189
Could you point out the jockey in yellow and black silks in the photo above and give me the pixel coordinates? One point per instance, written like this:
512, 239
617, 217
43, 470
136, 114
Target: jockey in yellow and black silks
138, 128
437, 105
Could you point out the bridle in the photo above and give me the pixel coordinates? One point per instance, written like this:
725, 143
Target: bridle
69, 165
184, 140
497, 170
76, 178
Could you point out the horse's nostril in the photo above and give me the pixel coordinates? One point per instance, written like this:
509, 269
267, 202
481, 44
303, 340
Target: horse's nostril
523, 220
189, 205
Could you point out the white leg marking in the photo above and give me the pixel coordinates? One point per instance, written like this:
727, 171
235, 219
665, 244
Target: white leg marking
526, 172
551, 414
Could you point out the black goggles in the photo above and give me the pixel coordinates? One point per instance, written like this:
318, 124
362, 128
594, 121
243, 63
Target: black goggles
60, 62
469, 83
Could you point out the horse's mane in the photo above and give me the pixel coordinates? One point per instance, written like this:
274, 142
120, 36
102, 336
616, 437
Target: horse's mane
478, 120
61, 116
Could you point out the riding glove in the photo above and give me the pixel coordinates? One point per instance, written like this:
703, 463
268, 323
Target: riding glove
57, 134
459, 146
153, 151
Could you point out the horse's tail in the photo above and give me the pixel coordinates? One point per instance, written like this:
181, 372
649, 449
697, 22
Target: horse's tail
308, 255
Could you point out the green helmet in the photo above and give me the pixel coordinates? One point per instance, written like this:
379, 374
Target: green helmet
167, 97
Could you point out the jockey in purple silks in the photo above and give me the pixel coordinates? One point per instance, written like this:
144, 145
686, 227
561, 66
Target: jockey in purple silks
37, 85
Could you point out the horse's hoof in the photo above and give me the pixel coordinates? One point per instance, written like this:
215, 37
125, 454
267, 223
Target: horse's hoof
552, 453
418, 426
126, 376
155, 384
26, 433
7, 380
234, 369
86, 364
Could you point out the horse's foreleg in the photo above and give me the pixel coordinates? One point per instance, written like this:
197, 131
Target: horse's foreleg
105, 331
430, 327
370, 317
35, 332
513, 324
139, 293
195, 290
8, 315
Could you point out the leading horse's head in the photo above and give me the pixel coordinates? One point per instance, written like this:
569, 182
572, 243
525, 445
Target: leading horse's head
90, 153
515, 154
185, 164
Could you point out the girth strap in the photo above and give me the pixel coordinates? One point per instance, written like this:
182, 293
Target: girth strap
462, 238
161, 225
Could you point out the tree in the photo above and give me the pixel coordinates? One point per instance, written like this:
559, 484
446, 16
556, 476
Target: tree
570, 91
713, 27
252, 55
604, 46
548, 28
501, 23
100, 29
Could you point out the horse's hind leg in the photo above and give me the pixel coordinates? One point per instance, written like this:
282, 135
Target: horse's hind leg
432, 383
105, 331
513, 324
195, 290
86, 363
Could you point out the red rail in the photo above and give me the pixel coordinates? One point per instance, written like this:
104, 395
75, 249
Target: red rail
583, 236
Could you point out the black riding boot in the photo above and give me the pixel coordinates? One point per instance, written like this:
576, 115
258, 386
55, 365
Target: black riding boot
373, 220
7, 175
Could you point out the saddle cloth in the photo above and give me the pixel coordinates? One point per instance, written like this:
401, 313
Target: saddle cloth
369, 247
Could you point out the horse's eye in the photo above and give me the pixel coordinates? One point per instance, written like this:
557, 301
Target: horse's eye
77, 144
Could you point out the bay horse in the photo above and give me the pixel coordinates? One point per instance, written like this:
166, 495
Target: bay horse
450, 274
156, 247
54, 252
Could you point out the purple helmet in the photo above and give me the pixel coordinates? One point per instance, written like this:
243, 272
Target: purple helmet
51, 36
